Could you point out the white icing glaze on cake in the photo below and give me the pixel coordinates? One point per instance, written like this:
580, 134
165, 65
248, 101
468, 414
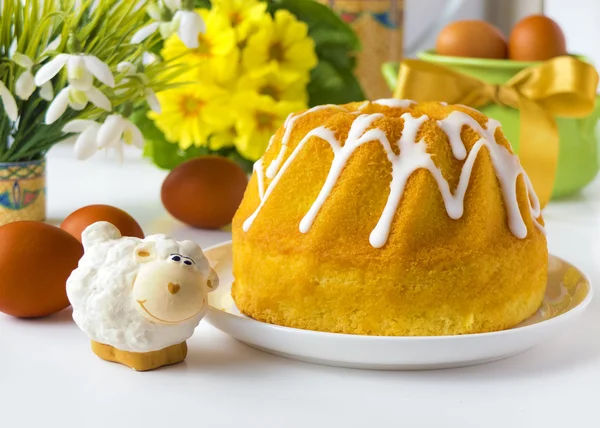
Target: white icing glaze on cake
289, 127
413, 156
394, 102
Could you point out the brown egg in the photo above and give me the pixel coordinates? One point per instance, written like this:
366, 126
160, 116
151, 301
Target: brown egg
204, 192
536, 38
475, 39
35, 261
77, 221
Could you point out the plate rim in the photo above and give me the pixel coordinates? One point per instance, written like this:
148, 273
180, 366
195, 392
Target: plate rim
580, 307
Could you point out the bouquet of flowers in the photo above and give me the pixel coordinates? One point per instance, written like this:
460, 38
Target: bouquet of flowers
252, 64
69, 69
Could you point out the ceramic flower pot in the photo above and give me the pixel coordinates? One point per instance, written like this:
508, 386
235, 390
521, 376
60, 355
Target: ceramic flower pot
22, 191
578, 153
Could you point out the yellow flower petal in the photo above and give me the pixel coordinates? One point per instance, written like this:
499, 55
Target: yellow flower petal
191, 113
218, 41
258, 118
282, 46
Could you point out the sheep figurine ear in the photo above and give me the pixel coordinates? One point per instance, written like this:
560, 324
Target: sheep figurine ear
145, 252
98, 232
213, 280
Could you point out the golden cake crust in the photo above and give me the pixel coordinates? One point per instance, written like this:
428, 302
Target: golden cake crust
434, 276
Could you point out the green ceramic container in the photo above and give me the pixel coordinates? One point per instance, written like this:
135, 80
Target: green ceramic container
578, 161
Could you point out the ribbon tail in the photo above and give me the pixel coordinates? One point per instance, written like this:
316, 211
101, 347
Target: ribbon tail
539, 146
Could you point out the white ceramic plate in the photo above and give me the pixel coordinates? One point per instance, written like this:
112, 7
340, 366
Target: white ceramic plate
568, 293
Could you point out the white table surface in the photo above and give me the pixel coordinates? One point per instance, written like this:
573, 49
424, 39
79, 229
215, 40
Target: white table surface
50, 378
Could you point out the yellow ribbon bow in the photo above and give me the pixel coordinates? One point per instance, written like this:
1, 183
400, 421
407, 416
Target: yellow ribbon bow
560, 87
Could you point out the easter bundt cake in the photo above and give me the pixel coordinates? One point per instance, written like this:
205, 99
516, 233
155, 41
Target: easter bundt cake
390, 218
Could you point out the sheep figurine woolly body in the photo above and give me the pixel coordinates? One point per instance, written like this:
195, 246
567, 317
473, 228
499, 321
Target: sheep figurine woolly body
139, 300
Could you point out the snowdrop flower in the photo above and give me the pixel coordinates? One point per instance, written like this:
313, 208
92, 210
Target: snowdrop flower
47, 91
130, 69
149, 58
189, 24
152, 100
86, 143
53, 45
25, 85
9, 103
81, 70
77, 100
163, 21
126, 67
117, 131
185, 21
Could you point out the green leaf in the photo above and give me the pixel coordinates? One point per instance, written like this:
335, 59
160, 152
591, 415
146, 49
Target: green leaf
204, 4
333, 80
338, 57
329, 84
322, 20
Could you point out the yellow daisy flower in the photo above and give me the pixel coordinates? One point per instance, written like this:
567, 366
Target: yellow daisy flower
257, 120
243, 15
282, 45
276, 85
216, 49
191, 113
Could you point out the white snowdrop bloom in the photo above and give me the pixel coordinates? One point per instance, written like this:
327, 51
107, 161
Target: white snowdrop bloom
53, 45
162, 22
152, 100
77, 100
145, 32
186, 22
81, 69
24, 86
149, 58
190, 25
165, 28
116, 131
86, 143
9, 103
47, 91
126, 67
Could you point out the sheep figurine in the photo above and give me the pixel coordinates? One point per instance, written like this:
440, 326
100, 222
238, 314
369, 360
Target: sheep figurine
139, 300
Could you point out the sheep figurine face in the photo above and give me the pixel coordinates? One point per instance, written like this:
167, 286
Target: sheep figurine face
170, 290
139, 300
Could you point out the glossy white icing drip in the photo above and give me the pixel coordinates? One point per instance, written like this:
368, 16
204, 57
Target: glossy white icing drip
506, 166
413, 156
321, 132
356, 137
258, 169
289, 127
394, 102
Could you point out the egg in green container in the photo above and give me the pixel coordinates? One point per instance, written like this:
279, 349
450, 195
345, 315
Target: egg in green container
578, 157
